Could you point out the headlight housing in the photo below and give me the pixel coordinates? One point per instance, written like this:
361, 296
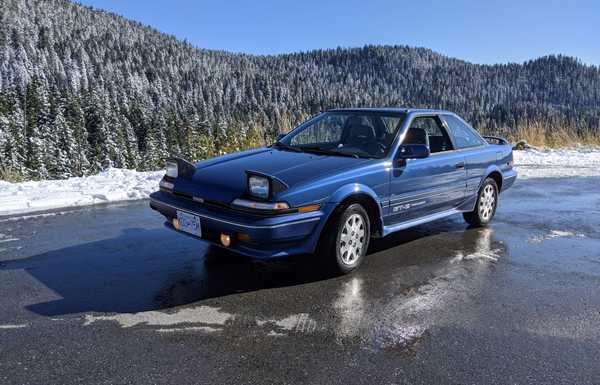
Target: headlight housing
172, 169
258, 186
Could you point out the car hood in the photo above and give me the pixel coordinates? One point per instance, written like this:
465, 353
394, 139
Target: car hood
224, 178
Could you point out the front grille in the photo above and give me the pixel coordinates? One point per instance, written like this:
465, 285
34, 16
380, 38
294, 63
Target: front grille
219, 206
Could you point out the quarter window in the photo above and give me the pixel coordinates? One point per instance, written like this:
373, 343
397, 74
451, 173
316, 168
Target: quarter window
464, 136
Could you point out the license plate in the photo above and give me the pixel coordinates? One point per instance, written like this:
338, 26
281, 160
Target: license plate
189, 223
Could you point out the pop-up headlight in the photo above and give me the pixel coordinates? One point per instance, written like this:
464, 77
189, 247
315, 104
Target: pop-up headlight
258, 186
172, 169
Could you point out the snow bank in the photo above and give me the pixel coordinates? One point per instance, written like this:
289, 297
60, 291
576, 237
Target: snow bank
116, 185
113, 185
556, 163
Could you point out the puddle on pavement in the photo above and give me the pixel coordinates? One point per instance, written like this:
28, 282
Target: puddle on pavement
389, 310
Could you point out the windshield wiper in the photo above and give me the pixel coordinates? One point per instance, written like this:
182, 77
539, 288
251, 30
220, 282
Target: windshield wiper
325, 151
286, 147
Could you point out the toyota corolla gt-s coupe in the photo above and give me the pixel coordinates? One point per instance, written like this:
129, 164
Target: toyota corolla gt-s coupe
336, 181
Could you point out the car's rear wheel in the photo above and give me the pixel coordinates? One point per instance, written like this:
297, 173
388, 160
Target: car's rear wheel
346, 239
485, 207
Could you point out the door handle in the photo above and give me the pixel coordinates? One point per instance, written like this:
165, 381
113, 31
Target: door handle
460, 165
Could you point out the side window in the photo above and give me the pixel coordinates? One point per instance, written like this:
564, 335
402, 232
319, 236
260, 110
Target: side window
464, 136
428, 130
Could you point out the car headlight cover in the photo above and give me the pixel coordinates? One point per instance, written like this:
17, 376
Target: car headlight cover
172, 170
258, 186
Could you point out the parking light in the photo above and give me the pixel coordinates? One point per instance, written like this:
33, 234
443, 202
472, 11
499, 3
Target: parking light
225, 240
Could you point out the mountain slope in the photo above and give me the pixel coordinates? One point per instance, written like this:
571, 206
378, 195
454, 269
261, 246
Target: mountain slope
82, 89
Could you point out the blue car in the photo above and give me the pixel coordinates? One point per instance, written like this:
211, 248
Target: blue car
336, 181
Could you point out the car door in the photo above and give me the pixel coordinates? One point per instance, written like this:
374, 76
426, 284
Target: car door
420, 187
469, 142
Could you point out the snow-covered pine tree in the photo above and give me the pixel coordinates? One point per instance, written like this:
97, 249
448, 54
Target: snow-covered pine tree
115, 69
132, 155
65, 147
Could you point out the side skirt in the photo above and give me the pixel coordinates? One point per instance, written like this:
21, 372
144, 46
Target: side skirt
415, 222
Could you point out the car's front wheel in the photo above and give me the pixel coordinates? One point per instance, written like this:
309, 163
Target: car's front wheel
346, 239
485, 207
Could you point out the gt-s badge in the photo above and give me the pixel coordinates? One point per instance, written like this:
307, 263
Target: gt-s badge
406, 206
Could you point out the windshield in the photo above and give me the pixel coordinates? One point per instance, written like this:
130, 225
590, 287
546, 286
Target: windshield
352, 133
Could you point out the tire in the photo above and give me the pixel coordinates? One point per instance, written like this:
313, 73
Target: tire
485, 207
345, 239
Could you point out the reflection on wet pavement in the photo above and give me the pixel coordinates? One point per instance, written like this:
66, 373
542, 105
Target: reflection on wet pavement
439, 303
391, 311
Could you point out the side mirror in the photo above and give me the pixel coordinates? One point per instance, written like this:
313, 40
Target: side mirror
412, 151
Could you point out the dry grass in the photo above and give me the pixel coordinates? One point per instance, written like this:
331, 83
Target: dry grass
540, 135
9, 175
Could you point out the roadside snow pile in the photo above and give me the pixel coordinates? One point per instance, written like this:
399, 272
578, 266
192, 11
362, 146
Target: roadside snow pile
113, 185
574, 161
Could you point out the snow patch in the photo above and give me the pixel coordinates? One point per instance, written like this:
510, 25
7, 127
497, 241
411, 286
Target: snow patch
112, 185
206, 329
557, 163
9, 327
8, 240
298, 322
117, 185
555, 234
197, 315
491, 255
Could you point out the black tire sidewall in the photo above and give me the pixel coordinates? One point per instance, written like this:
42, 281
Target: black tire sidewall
354, 208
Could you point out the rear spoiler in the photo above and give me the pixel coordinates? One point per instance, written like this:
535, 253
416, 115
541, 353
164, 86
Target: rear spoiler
496, 140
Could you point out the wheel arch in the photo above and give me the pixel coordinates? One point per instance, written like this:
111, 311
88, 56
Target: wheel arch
497, 177
491, 172
363, 195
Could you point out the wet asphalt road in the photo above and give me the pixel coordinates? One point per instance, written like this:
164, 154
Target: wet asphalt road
106, 295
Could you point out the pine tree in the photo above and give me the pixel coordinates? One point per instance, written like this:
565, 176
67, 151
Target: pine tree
140, 88
132, 156
65, 149
76, 120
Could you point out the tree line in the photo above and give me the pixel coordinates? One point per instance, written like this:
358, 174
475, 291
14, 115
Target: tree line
83, 89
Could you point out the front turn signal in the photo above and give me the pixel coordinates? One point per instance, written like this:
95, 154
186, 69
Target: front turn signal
309, 208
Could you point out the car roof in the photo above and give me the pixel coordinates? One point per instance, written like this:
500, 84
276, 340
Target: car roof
391, 109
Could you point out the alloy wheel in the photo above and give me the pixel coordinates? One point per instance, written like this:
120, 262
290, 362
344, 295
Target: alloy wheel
352, 239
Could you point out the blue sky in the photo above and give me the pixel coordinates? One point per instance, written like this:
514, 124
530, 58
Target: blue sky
480, 31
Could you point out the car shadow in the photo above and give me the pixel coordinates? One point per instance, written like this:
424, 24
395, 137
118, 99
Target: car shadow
142, 270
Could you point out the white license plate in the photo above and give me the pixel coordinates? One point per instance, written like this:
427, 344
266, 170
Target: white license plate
189, 223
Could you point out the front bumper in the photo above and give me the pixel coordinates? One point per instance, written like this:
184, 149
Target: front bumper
269, 236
